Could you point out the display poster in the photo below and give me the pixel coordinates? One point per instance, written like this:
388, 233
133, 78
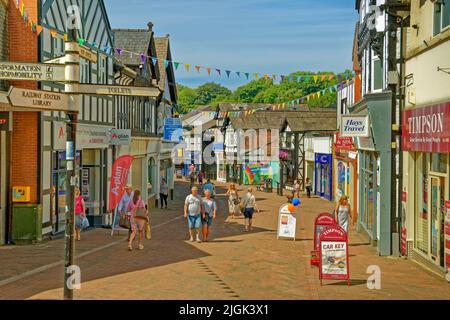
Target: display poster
257, 173
322, 221
447, 239
334, 261
287, 223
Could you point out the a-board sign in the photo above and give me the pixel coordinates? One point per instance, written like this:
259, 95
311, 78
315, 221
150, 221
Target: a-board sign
287, 223
31, 71
333, 255
322, 221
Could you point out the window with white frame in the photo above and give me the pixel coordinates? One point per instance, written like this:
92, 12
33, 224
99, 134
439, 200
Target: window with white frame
377, 72
441, 19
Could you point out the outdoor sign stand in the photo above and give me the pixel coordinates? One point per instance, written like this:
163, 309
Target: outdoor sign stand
323, 221
333, 255
287, 223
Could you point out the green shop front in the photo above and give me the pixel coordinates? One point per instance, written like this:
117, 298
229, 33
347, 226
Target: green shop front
370, 124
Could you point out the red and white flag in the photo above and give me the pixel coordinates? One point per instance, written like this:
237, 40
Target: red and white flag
119, 176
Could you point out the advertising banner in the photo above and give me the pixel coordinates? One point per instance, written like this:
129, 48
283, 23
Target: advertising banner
334, 261
119, 176
287, 223
427, 129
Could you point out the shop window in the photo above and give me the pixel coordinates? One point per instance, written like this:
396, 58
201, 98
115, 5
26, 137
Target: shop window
152, 183
378, 74
439, 162
441, 19
421, 212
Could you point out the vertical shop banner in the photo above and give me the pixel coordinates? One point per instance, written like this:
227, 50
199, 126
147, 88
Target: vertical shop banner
404, 239
333, 255
287, 223
119, 176
447, 239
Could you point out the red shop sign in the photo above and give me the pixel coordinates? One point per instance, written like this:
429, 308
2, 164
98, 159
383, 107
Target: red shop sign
344, 142
323, 221
427, 129
119, 176
333, 255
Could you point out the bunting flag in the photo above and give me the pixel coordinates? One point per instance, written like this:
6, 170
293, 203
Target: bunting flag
238, 74
166, 63
208, 70
323, 78
155, 61
176, 64
197, 68
316, 78
256, 76
187, 66
247, 75
218, 72
228, 72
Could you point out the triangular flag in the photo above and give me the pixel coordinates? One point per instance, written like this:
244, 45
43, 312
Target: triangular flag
316, 78
323, 77
38, 29
154, 60
22, 9
228, 73
282, 77
176, 64
197, 68
247, 75
238, 74
307, 78
53, 33
119, 51
219, 72
266, 77
274, 77
299, 78
208, 70
144, 58
331, 77
360, 76
166, 63
187, 66
284, 106
256, 76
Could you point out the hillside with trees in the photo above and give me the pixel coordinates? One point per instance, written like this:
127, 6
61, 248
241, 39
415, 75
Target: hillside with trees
262, 91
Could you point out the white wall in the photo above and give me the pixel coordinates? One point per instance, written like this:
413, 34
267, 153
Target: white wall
322, 145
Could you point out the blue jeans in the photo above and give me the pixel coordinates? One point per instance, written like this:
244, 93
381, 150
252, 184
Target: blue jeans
248, 213
194, 222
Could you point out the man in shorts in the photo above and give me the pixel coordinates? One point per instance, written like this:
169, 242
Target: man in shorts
194, 211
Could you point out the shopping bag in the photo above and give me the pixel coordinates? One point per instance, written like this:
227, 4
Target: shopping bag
124, 221
148, 232
85, 223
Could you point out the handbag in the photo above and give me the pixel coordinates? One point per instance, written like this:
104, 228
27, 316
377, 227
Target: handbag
148, 232
124, 221
84, 223
141, 213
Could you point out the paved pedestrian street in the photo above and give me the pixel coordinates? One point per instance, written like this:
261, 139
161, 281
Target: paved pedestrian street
235, 265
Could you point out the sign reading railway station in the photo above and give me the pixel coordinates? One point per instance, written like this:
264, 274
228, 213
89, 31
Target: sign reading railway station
37, 99
31, 71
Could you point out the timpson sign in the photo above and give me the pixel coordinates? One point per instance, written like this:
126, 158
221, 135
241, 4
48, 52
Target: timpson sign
427, 129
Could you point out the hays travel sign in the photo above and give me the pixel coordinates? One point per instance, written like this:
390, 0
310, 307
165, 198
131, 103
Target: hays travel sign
427, 129
354, 126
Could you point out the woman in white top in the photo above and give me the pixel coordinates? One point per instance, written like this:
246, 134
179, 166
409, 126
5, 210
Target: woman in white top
249, 205
344, 213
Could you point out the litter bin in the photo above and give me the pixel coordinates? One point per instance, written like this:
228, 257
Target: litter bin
26, 223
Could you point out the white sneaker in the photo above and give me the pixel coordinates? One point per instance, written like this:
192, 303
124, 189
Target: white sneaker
198, 240
191, 239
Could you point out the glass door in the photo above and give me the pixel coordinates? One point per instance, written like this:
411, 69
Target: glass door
436, 201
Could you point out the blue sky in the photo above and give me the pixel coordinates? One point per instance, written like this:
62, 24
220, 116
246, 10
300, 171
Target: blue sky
255, 36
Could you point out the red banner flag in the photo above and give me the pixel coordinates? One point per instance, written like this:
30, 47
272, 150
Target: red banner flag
119, 176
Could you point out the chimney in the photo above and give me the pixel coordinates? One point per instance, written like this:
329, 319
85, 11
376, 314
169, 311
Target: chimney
150, 26
167, 35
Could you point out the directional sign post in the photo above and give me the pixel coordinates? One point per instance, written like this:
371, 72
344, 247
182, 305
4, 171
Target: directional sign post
31, 71
111, 90
40, 100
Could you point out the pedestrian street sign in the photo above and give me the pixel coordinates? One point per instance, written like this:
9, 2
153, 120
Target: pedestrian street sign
32, 71
39, 100
115, 90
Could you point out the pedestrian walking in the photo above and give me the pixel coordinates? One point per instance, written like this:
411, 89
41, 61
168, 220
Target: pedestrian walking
80, 213
249, 206
209, 186
308, 187
210, 208
192, 178
296, 191
123, 205
233, 201
139, 218
344, 213
164, 193
193, 211
201, 175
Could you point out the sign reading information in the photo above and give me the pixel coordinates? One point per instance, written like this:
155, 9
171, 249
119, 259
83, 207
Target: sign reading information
31, 71
354, 126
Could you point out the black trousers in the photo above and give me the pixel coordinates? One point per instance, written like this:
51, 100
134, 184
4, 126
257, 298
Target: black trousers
308, 192
163, 199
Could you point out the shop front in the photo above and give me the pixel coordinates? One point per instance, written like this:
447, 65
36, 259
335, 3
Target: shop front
426, 143
323, 165
346, 169
96, 160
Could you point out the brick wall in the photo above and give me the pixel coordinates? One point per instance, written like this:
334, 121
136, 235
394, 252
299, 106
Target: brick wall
23, 47
3, 35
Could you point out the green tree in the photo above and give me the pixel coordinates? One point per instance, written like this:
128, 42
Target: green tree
209, 92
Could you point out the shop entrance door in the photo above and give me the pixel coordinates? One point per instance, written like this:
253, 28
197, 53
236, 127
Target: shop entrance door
436, 202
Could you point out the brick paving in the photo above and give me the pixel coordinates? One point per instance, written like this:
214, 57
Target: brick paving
236, 265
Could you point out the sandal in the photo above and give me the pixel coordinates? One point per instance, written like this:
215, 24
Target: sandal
130, 247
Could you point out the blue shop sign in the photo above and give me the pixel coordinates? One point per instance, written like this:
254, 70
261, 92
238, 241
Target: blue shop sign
173, 129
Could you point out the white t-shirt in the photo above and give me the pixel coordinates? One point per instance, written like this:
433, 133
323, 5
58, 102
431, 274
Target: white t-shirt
194, 205
249, 201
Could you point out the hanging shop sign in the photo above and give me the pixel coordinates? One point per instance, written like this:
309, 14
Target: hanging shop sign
322, 222
111, 90
119, 137
354, 126
287, 223
447, 239
333, 255
344, 142
40, 100
427, 129
173, 129
31, 71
